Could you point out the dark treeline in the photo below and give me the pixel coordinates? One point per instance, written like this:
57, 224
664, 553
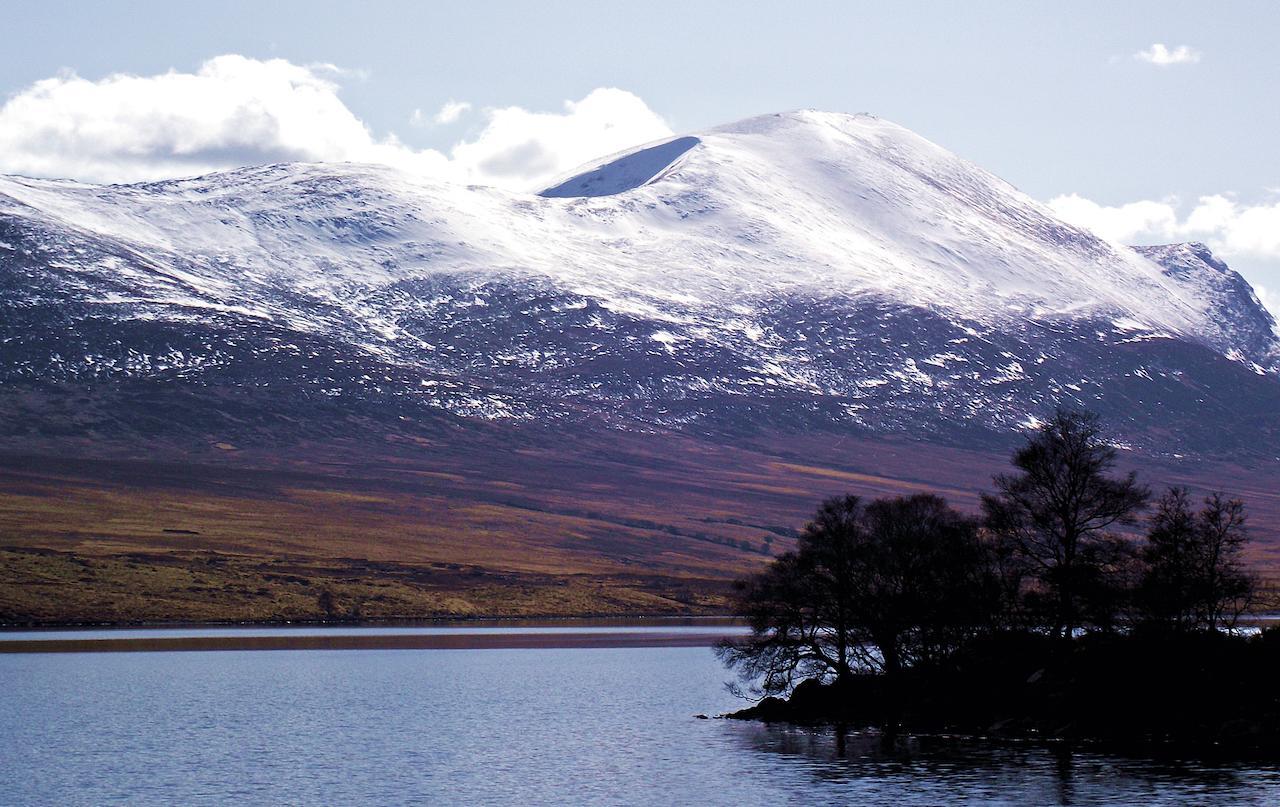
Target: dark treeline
1077, 601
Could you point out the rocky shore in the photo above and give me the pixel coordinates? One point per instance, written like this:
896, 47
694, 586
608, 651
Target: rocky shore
1200, 694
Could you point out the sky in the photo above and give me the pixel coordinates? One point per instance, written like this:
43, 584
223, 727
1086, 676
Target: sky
1149, 122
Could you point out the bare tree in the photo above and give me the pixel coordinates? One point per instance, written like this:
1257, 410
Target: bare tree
1194, 576
926, 584
1056, 512
1228, 586
873, 587
1168, 592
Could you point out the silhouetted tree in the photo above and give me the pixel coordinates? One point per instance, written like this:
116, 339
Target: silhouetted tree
1228, 586
926, 582
879, 586
1054, 514
1108, 571
1168, 590
1194, 578
788, 643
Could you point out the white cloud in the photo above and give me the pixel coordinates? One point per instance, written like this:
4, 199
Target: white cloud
236, 111
519, 147
451, 111
1159, 54
1122, 224
1226, 225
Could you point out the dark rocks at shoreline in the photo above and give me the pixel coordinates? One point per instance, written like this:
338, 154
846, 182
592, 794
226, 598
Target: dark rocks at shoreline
1196, 694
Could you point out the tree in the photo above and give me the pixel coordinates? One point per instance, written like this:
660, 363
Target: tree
787, 643
1227, 587
879, 586
1168, 589
926, 584
1055, 513
1194, 578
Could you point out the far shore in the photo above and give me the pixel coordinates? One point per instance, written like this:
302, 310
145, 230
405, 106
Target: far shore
573, 633
548, 621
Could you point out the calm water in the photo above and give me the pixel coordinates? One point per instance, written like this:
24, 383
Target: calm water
576, 726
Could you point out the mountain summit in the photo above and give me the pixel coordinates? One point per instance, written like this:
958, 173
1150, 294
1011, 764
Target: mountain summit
805, 270
853, 203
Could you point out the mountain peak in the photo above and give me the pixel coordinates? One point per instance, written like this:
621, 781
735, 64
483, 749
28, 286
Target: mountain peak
806, 200
796, 117
801, 268
839, 201
641, 165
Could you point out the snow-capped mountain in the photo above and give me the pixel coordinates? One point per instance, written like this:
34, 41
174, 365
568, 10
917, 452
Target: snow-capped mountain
806, 270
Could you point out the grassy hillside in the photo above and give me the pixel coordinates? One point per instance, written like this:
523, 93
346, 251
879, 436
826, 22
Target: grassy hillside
523, 526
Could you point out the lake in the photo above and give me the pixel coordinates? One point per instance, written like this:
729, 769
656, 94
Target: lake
550, 725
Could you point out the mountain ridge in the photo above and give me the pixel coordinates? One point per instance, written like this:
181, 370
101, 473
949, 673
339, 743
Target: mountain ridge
797, 271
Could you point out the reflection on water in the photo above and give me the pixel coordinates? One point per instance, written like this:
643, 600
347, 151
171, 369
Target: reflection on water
541, 726
933, 769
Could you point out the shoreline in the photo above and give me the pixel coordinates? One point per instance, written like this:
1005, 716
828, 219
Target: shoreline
585, 620
1112, 691
372, 641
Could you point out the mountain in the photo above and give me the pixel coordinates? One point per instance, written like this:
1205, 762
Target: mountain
797, 271
685, 343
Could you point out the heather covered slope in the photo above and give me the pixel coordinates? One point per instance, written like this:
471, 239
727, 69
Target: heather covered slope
507, 523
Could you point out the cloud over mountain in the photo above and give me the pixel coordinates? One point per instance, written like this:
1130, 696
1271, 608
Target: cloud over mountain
235, 111
1230, 227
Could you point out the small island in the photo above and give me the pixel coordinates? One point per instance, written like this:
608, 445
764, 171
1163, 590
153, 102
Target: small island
1060, 614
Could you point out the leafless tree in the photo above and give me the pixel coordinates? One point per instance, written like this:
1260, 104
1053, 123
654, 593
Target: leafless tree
1057, 510
870, 587
1195, 577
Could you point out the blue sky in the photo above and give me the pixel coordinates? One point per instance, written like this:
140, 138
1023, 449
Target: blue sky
1053, 97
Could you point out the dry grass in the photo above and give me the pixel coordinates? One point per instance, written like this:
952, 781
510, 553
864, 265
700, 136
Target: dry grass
43, 587
622, 525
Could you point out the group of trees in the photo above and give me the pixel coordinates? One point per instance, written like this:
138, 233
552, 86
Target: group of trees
893, 583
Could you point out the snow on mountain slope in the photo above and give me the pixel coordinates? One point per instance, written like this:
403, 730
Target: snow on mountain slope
814, 201
1225, 296
852, 203
796, 269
